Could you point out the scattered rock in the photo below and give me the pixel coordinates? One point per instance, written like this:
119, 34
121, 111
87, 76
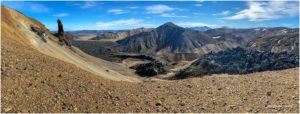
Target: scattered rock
158, 103
8, 110
67, 106
127, 103
189, 86
269, 93
182, 104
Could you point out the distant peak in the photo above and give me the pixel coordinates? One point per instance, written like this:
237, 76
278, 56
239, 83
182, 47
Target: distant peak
169, 24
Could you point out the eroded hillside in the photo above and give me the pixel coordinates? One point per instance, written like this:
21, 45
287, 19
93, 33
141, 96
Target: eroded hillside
17, 27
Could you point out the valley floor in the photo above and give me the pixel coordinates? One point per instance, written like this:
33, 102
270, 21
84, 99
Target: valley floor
33, 82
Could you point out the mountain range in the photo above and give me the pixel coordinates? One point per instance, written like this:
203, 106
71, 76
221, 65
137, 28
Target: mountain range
173, 42
176, 43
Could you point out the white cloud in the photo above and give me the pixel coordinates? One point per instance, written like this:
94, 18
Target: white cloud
198, 5
89, 4
133, 7
119, 24
223, 13
117, 11
33, 7
197, 13
172, 15
159, 8
199, 0
193, 24
61, 15
38, 8
260, 11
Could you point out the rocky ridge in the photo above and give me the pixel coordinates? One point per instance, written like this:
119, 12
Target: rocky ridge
168, 40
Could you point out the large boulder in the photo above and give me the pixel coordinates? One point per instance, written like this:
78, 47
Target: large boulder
149, 69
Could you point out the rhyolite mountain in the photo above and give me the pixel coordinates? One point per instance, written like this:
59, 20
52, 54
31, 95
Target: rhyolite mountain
249, 34
286, 41
173, 42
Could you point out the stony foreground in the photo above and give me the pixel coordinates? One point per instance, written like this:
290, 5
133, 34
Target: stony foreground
33, 82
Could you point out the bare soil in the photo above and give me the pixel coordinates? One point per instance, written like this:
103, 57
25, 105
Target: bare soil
33, 82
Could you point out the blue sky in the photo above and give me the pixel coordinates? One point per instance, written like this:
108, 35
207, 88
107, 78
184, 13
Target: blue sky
108, 15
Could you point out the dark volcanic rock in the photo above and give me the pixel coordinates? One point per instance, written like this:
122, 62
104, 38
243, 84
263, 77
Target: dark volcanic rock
61, 34
149, 69
239, 61
41, 33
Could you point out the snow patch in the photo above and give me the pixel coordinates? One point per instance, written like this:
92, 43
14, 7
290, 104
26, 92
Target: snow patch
284, 31
216, 37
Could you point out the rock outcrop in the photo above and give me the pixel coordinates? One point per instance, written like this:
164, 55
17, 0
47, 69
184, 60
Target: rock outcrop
149, 69
40, 32
61, 34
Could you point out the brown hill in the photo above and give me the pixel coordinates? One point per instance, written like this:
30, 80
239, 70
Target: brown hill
18, 27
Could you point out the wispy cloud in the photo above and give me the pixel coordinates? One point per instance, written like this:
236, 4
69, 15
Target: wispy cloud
193, 24
133, 7
61, 15
223, 13
198, 5
197, 13
260, 11
89, 4
85, 5
172, 15
117, 11
159, 9
28, 6
38, 8
128, 23
199, 0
